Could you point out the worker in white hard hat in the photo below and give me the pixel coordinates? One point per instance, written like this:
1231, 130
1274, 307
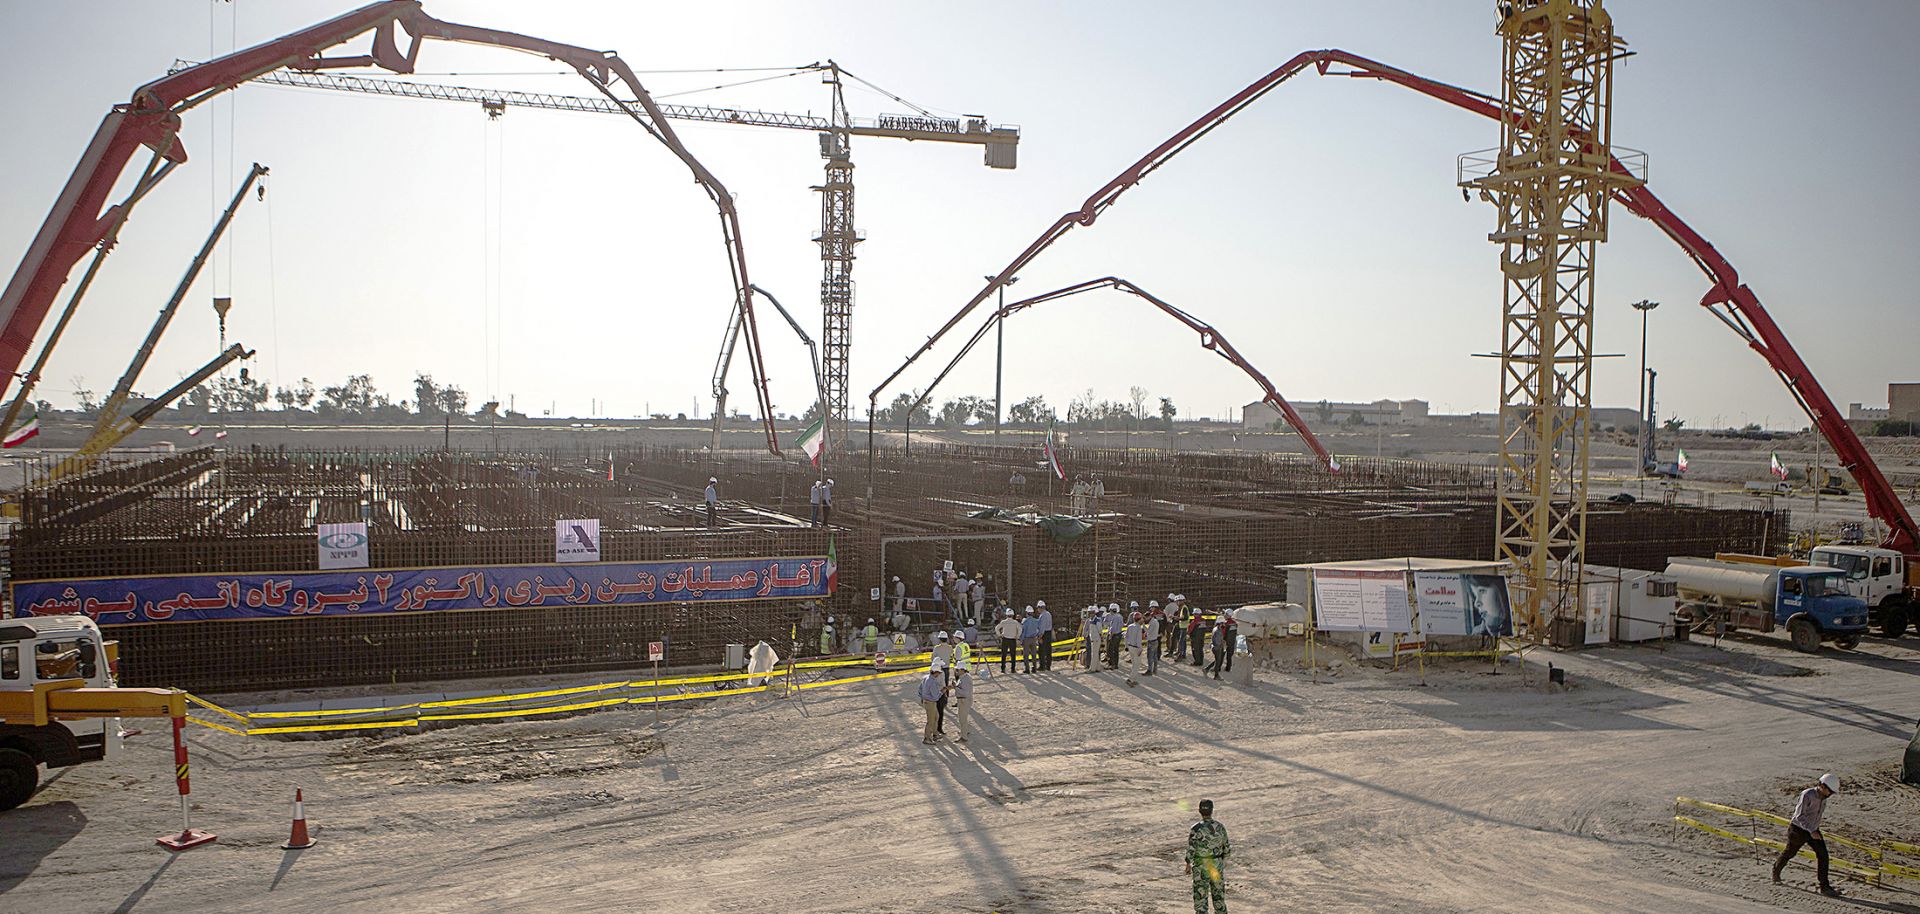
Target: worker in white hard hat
1030, 641
899, 594
1089, 636
1135, 637
942, 649
1110, 626
712, 498
1046, 635
826, 637
1008, 631
826, 503
871, 636
1804, 828
962, 651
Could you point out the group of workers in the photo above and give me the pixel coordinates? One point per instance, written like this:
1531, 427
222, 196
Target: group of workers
1176, 630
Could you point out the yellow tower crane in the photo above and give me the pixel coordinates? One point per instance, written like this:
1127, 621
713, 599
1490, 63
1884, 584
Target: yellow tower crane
1551, 178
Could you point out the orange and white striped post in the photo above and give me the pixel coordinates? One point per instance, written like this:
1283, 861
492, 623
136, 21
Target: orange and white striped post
188, 836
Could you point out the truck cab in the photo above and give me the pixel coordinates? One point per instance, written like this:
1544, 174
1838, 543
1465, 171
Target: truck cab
1878, 576
1813, 605
45, 649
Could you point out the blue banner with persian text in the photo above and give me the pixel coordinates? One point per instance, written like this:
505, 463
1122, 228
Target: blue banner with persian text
367, 592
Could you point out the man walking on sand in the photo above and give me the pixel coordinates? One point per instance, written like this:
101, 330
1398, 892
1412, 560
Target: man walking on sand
1207, 852
1804, 828
932, 690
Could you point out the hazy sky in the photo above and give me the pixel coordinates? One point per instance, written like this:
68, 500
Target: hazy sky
1321, 230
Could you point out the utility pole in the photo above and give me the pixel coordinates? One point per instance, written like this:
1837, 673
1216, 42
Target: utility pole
999, 353
1646, 417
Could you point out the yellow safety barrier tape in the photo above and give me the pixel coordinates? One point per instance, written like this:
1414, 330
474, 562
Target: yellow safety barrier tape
1904, 847
1874, 872
523, 712
195, 699
871, 676
220, 727
321, 728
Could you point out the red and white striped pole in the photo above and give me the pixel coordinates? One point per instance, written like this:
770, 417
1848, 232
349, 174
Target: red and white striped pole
188, 836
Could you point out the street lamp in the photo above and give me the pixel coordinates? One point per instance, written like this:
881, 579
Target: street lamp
999, 351
1643, 306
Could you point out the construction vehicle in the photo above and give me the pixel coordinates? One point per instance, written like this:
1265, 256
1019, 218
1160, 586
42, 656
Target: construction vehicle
60, 706
1810, 602
1883, 578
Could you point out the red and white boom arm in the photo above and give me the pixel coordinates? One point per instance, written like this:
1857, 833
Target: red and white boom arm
1743, 312
80, 219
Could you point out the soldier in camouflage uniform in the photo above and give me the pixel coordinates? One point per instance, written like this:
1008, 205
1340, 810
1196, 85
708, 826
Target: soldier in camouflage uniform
1207, 852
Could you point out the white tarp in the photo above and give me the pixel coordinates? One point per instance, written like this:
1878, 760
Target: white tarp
762, 659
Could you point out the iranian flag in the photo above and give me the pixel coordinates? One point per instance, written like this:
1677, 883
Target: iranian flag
1779, 469
833, 567
1053, 459
812, 442
1681, 462
29, 426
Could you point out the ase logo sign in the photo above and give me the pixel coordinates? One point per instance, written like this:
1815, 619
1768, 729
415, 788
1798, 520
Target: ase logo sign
342, 545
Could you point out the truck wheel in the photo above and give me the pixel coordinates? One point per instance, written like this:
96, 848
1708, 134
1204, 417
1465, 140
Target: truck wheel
19, 775
1847, 643
1806, 636
1893, 620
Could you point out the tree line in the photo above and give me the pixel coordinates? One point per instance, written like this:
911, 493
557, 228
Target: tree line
1138, 410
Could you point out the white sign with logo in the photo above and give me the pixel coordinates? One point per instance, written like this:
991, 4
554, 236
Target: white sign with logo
1600, 600
576, 540
1361, 601
656, 651
342, 545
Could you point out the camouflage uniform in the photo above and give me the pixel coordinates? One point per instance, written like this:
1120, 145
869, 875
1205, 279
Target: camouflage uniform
1207, 847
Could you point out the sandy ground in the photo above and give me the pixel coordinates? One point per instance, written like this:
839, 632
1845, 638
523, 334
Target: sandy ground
1361, 792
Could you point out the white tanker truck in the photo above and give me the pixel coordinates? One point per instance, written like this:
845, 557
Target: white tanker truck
1811, 603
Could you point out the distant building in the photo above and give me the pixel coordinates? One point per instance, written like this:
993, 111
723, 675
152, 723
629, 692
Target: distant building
1860, 412
1903, 401
1325, 412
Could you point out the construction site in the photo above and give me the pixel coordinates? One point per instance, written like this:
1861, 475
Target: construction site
434, 657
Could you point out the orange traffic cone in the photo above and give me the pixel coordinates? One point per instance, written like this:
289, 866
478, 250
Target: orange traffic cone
300, 839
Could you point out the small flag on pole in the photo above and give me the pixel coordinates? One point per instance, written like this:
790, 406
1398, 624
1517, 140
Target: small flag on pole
833, 567
812, 442
609, 466
1681, 462
1053, 459
29, 426
1779, 469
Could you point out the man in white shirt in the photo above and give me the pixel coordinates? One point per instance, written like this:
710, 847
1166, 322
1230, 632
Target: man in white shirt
1008, 631
712, 498
826, 503
1804, 828
813, 499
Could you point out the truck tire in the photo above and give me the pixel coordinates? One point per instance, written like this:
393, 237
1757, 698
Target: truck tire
1805, 635
1893, 619
1847, 642
19, 776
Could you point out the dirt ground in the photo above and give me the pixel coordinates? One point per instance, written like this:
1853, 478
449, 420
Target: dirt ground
1363, 791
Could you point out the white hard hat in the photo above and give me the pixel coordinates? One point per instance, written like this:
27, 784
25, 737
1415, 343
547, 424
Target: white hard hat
1114, 606
1152, 603
1173, 596
896, 577
1040, 603
940, 635
829, 618
1831, 781
959, 634
869, 618
829, 480
1133, 604
713, 479
1008, 611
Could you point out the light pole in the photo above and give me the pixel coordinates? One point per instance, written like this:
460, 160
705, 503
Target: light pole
1640, 456
999, 351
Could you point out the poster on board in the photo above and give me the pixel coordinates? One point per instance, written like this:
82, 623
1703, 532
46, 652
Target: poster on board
1599, 610
341, 545
576, 540
1462, 604
1354, 601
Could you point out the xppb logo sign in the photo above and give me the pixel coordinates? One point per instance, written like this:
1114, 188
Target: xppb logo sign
576, 540
342, 545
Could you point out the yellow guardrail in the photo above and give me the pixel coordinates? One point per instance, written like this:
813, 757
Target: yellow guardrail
1876, 872
324, 720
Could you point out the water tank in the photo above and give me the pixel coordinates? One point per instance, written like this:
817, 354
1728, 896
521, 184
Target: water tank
1730, 581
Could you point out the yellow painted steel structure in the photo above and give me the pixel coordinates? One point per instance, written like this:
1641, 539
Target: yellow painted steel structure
1551, 179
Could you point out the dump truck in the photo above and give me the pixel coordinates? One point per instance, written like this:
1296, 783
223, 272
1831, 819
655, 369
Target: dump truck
1810, 602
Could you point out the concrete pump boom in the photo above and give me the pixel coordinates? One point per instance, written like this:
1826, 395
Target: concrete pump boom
77, 222
1742, 309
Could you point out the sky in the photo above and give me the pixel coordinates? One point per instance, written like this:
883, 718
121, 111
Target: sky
566, 262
